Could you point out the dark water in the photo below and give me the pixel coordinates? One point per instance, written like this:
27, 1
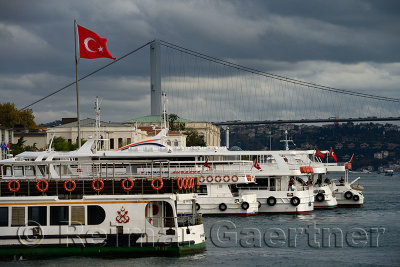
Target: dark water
381, 212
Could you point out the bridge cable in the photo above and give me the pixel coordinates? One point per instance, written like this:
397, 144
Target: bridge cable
274, 76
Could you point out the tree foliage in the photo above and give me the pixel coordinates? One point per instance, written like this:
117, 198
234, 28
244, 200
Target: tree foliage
193, 138
60, 144
10, 115
174, 125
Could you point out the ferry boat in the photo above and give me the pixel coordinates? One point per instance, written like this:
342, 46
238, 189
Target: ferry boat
47, 210
389, 172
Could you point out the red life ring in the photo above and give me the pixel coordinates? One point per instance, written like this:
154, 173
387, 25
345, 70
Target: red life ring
235, 178
39, 188
209, 179
161, 184
180, 182
185, 182
202, 179
191, 182
130, 187
67, 187
14, 189
95, 188
226, 178
218, 179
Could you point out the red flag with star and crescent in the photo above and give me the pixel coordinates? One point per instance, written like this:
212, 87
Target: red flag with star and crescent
333, 155
91, 45
257, 166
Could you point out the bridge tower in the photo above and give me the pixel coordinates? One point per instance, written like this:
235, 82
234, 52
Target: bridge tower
155, 78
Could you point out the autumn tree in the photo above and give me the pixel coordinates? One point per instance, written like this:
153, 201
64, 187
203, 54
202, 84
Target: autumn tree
10, 115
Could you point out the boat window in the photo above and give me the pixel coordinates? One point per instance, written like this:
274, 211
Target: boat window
59, 215
29, 170
3, 216
77, 215
7, 170
96, 215
160, 214
37, 215
272, 184
43, 170
202, 189
18, 216
18, 171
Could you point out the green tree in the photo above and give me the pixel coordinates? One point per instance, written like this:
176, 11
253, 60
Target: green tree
18, 147
9, 116
174, 125
60, 144
193, 138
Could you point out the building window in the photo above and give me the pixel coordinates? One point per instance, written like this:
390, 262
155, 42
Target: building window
169, 142
70, 141
37, 215
176, 143
96, 215
59, 215
18, 216
111, 143
119, 142
4, 216
128, 141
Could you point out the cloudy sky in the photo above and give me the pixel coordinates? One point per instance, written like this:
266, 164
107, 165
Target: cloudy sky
345, 44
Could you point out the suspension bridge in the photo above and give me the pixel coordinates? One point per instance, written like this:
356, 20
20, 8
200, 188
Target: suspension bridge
200, 87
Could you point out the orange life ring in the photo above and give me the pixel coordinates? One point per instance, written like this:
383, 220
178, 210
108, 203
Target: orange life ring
218, 178
14, 189
202, 179
235, 178
209, 178
198, 182
66, 185
39, 188
161, 184
95, 188
180, 182
226, 178
130, 187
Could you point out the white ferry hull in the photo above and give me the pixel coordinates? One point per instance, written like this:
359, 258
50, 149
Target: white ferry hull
323, 198
284, 200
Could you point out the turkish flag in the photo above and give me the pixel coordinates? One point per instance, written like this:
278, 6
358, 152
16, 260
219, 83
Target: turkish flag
333, 155
91, 45
257, 166
319, 154
206, 164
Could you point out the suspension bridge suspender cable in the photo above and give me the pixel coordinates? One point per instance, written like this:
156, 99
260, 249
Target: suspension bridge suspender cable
88, 75
274, 76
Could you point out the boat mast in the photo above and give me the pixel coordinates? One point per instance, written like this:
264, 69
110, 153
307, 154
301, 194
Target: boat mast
97, 124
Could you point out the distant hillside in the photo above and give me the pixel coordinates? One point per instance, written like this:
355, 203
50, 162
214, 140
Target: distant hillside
51, 124
375, 146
